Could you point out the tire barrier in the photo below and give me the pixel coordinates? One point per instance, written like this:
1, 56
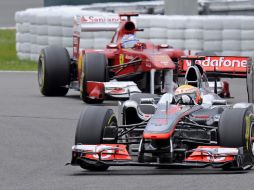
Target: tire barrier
227, 35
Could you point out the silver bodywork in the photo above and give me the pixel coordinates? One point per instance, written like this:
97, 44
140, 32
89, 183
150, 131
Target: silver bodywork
120, 89
220, 86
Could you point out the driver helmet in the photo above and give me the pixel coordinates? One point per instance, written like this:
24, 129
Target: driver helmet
188, 95
129, 41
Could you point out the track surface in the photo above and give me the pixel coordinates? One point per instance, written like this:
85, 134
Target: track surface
36, 135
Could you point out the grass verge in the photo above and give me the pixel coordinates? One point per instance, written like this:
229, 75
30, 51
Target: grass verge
8, 57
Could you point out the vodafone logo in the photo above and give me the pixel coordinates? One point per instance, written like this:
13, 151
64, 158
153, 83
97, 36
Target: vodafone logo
220, 62
238, 64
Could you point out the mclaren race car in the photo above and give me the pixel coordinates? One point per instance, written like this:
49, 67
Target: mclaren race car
91, 71
191, 128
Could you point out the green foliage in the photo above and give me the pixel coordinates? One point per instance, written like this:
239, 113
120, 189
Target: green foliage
8, 56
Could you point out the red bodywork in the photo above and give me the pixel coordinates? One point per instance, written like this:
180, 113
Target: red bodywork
203, 154
106, 152
95, 90
147, 55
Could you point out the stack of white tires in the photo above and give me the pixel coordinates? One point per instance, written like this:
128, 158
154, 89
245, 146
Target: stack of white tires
226, 35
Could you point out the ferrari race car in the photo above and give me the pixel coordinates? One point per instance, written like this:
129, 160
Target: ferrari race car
192, 128
91, 71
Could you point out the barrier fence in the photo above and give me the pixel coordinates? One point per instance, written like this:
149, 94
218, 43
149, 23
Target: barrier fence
228, 35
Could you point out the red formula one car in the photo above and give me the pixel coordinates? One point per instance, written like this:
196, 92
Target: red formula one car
91, 71
193, 127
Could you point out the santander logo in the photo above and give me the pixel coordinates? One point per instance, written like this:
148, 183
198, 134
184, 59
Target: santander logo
238, 64
99, 19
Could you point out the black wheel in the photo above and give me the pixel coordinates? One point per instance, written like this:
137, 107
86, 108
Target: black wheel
97, 125
94, 69
147, 109
54, 71
236, 130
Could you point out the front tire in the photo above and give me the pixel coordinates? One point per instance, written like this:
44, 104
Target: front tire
94, 69
236, 130
97, 125
54, 71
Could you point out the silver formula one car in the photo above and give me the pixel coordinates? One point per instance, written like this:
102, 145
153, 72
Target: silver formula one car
193, 127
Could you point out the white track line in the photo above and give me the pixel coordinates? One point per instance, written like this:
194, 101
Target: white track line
18, 71
7, 28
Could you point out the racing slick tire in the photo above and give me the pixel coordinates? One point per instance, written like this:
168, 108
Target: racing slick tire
96, 125
94, 69
236, 130
54, 71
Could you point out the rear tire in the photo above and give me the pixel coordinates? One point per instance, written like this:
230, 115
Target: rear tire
94, 69
93, 127
54, 71
236, 130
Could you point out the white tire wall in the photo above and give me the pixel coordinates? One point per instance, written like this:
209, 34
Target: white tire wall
107, 35
145, 34
177, 43
231, 45
99, 43
67, 41
176, 34
212, 35
87, 43
40, 27
214, 46
158, 33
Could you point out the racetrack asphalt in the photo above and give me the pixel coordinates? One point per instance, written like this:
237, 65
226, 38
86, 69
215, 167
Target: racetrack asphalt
36, 135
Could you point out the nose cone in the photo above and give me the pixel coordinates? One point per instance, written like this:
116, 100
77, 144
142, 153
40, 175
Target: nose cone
163, 122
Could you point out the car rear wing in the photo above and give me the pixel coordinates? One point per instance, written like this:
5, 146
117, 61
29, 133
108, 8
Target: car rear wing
96, 23
217, 66
92, 24
100, 23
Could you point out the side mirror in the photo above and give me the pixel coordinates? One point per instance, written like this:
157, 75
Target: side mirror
219, 102
147, 101
112, 46
164, 46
